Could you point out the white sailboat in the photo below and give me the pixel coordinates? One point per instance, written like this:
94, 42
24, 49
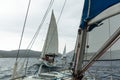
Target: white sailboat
50, 50
64, 53
63, 58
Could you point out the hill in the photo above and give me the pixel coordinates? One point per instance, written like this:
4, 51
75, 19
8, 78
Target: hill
22, 54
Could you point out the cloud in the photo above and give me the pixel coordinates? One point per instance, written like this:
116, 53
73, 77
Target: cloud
13, 12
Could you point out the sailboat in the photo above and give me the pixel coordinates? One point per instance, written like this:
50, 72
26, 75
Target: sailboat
49, 52
63, 58
50, 48
64, 53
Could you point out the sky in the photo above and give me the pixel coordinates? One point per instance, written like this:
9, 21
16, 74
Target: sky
12, 14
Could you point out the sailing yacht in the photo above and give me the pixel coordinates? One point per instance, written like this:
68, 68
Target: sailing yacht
50, 50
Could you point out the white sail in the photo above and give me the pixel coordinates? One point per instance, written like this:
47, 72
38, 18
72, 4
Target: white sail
51, 42
64, 52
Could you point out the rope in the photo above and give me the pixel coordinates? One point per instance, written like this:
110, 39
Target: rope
87, 46
24, 25
37, 32
110, 48
34, 37
61, 11
57, 21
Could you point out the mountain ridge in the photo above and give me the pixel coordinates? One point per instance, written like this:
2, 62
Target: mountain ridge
22, 54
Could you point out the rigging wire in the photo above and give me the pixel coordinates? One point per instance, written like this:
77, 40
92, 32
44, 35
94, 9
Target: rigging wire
86, 52
61, 11
87, 46
24, 25
37, 32
110, 48
50, 5
58, 20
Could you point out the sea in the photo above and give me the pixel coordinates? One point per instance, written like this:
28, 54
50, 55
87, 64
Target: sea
103, 70
7, 64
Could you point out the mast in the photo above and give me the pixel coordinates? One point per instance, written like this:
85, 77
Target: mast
92, 15
79, 54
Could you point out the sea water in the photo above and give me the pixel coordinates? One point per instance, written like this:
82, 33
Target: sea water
102, 69
7, 64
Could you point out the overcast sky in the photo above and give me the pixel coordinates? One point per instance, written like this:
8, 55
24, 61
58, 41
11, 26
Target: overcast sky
12, 14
